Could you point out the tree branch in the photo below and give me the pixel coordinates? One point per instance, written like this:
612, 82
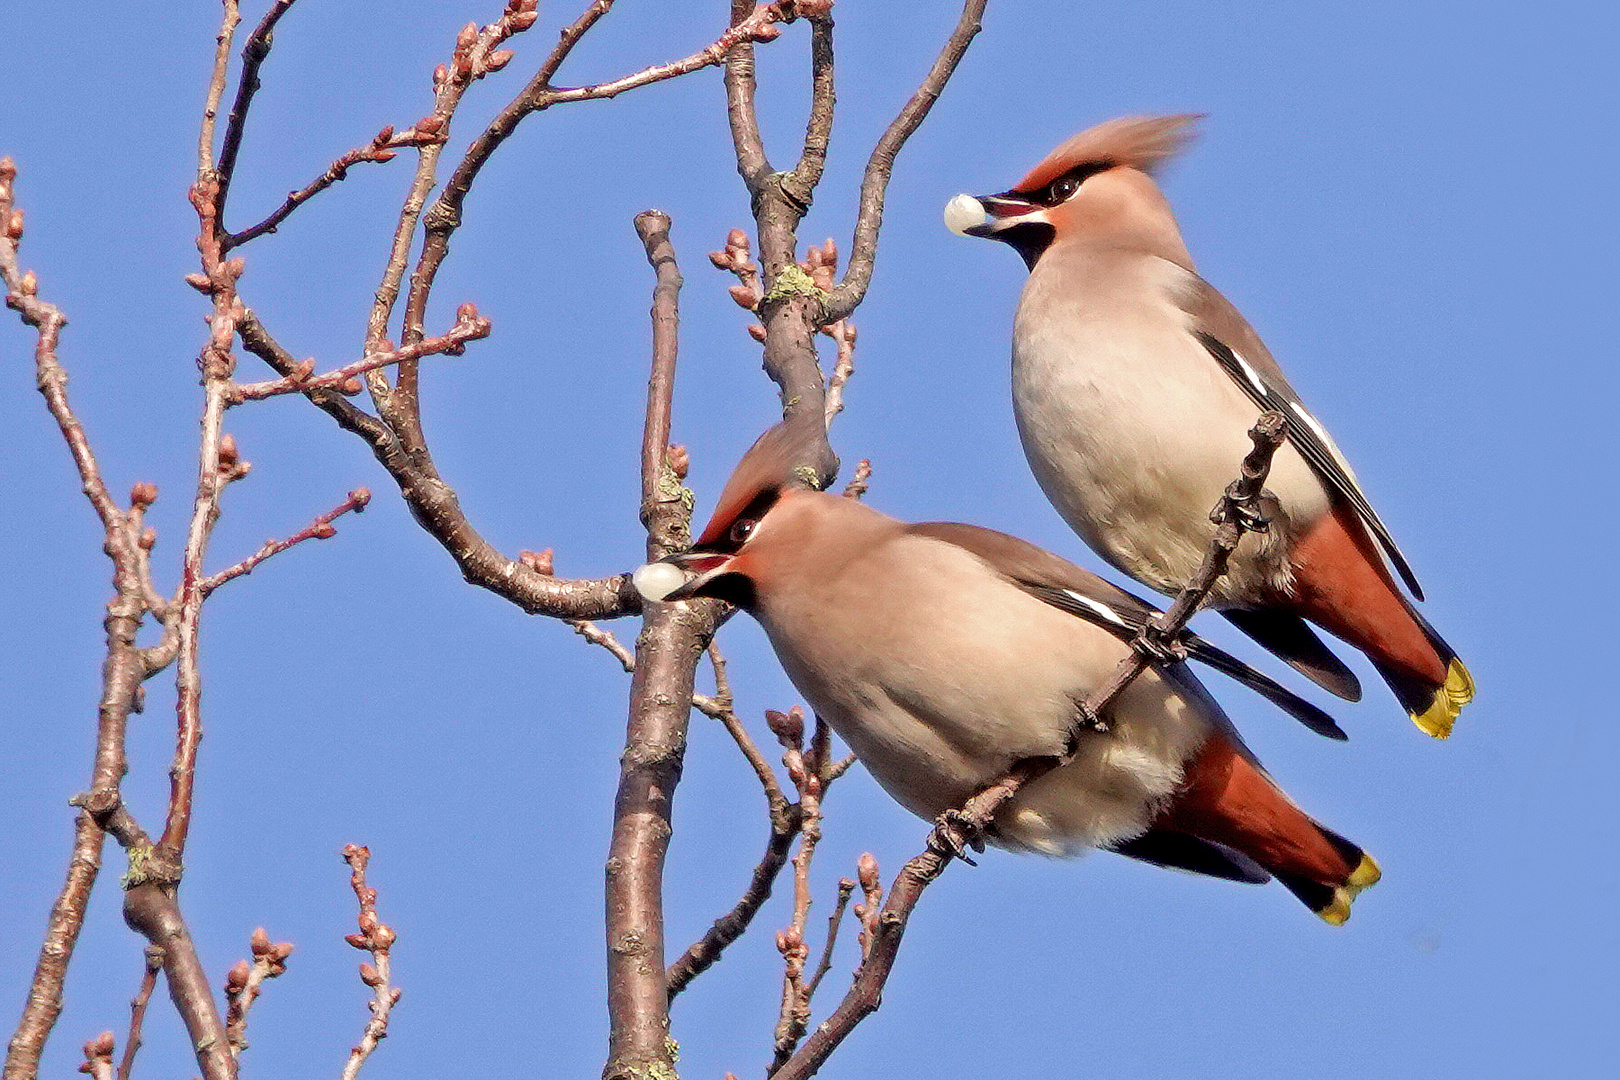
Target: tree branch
137, 1009
470, 326
377, 938
1238, 511
875, 182
436, 508
254, 53
379, 150
101, 807
319, 529
243, 981
672, 640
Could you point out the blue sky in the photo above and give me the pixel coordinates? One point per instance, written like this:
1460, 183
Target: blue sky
1413, 203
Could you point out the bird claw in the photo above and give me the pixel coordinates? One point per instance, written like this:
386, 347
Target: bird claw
1085, 721
1158, 646
954, 832
1243, 512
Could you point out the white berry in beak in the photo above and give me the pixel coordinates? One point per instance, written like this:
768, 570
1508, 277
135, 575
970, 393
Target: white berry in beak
656, 580
963, 213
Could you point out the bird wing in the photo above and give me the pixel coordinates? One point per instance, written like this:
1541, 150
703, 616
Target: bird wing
1080, 593
1232, 342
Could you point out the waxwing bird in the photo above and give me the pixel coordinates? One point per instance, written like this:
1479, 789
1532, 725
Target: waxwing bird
944, 653
1134, 383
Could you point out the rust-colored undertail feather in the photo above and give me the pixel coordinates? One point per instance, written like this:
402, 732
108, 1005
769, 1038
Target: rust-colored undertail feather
1228, 800
1342, 585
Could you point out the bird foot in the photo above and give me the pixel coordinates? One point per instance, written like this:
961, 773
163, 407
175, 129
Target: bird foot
1158, 646
954, 832
1242, 511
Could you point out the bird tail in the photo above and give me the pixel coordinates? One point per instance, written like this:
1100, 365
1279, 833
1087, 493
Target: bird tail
1432, 708
1342, 585
1227, 799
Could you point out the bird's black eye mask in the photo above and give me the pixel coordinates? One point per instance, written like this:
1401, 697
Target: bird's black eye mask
742, 524
1063, 188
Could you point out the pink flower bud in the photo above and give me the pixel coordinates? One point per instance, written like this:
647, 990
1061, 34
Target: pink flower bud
680, 461
259, 942
361, 497
236, 978
498, 59
787, 727
143, 494
745, 297
468, 35
757, 332
867, 869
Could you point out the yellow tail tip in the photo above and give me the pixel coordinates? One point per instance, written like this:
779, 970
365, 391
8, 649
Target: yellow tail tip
1337, 913
1454, 693
1364, 876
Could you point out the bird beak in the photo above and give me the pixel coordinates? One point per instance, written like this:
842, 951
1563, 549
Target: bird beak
678, 577
986, 215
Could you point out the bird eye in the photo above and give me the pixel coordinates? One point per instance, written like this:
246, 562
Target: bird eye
742, 530
1064, 187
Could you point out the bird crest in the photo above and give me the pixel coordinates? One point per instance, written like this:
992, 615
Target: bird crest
1137, 142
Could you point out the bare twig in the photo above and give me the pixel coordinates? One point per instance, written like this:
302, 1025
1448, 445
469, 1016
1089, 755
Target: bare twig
719, 708
380, 149
445, 216
470, 326
866, 868
244, 980
807, 768
818, 127
671, 641
101, 807
475, 55
1238, 511
377, 938
785, 819
702, 954
752, 163
438, 511
216, 87
137, 1009
845, 888
879, 167
319, 529
254, 53
597, 636
860, 481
